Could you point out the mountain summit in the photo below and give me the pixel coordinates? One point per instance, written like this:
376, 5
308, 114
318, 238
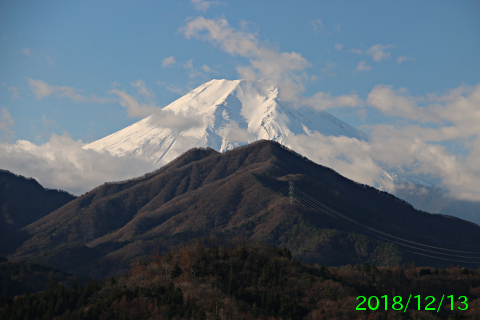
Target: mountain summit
246, 192
220, 114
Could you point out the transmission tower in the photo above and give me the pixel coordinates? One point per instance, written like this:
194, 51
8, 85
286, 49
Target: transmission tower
290, 191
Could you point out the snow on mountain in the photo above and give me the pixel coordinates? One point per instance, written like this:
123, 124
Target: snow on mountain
220, 114
224, 114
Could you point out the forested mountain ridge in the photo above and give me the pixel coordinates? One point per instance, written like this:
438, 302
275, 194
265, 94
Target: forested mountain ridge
23, 201
20, 277
242, 193
210, 279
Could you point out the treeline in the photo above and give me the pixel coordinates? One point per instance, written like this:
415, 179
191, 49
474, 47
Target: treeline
17, 278
208, 280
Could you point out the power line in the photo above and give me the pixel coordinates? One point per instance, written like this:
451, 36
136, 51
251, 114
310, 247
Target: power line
378, 231
249, 210
290, 191
322, 208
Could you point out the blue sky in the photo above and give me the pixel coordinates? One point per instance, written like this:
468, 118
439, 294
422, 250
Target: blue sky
406, 66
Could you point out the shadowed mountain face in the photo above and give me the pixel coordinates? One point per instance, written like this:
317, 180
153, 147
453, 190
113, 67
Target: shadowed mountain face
19, 277
23, 201
242, 192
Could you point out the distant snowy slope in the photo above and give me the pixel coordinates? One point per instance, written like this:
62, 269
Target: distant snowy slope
220, 114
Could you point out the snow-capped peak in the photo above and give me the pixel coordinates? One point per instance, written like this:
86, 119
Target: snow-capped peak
220, 114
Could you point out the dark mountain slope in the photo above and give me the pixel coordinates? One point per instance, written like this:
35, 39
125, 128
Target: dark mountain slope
23, 201
20, 277
240, 193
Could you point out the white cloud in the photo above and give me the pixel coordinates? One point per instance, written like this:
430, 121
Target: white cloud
338, 46
240, 135
188, 64
175, 89
176, 121
168, 61
47, 122
6, 120
192, 71
378, 52
323, 101
411, 146
142, 89
14, 91
457, 109
361, 113
317, 24
348, 156
61, 163
385, 99
401, 59
232, 132
159, 117
43, 90
407, 148
207, 69
357, 51
203, 5
362, 66
134, 108
49, 61
285, 68
220, 32
142, 105
393, 150
401, 148
329, 66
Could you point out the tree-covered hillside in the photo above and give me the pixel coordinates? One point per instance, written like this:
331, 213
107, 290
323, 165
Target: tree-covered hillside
205, 279
18, 277
331, 220
23, 201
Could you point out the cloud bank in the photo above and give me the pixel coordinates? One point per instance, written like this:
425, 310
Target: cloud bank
286, 69
418, 141
432, 125
416, 145
61, 163
420, 138
282, 67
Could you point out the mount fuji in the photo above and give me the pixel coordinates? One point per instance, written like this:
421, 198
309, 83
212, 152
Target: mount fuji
224, 114
220, 114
